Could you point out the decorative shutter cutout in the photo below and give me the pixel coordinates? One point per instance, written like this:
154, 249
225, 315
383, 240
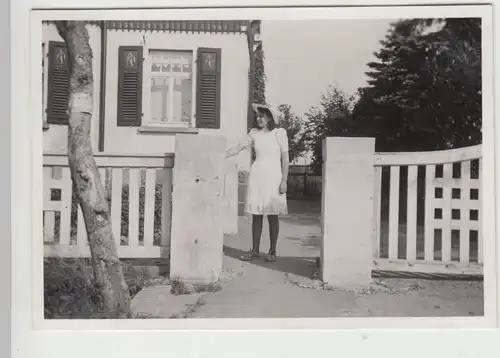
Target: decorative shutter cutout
58, 83
208, 88
130, 63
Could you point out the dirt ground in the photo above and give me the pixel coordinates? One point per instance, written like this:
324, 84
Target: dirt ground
288, 289
260, 292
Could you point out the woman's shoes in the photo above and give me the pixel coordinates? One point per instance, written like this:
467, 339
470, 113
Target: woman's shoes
271, 256
249, 256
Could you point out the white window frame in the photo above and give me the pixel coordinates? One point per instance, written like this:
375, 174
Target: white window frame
146, 90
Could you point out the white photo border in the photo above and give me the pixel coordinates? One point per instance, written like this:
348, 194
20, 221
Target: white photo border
287, 336
5, 190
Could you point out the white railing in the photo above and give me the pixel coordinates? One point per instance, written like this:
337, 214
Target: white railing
427, 211
139, 191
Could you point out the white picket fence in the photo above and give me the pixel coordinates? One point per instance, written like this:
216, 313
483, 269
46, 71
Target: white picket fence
427, 211
139, 189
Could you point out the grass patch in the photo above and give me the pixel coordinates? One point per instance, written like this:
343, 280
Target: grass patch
189, 310
69, 290
178, 287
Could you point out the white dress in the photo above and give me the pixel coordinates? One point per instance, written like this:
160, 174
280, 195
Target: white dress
263, 196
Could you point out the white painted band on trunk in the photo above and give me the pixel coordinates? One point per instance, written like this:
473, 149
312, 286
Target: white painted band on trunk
81, 103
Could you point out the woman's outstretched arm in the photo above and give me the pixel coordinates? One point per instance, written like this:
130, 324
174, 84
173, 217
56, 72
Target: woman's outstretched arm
246, 143
235, 150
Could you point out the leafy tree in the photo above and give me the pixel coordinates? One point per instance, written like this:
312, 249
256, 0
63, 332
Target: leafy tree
259, 77
295, 131
332, 118
455, 60
424, 91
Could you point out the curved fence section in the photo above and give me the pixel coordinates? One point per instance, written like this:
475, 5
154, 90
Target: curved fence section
428, 211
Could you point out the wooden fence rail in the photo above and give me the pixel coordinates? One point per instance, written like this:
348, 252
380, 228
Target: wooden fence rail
139, 191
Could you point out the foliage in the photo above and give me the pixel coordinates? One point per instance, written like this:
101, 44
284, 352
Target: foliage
70, 292
259, 78
424, 90
125, 213
157, 213
179, 287
332, 118
294, 129
258, 81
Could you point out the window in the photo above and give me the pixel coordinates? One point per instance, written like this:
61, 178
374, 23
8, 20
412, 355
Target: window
171, 88
168, 88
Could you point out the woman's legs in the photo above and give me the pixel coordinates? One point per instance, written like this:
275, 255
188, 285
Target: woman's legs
256, 232
274, 229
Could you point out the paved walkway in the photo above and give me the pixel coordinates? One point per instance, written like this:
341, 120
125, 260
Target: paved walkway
285, 289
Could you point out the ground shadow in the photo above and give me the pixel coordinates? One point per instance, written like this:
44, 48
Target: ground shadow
300, 266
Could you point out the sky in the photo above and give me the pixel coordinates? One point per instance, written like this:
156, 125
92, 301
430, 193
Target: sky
304, 57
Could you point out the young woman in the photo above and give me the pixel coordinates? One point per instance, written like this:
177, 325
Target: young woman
267, 182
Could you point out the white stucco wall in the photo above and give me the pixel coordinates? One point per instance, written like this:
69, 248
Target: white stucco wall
234, 87
234, 90
55, 139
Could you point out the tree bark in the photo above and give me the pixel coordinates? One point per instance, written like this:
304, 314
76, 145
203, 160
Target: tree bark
108, 270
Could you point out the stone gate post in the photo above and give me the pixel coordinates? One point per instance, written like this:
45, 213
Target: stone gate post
347, 211
198, 208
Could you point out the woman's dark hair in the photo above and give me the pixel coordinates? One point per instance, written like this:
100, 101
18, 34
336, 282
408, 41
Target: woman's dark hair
271, 124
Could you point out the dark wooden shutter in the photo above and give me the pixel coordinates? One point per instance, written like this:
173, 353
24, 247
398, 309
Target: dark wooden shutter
129, 86
58, 83
208, 88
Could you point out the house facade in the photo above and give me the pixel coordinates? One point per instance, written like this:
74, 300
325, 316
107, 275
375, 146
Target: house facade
152, 80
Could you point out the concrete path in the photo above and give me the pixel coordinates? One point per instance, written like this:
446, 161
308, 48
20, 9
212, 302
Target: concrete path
286, 288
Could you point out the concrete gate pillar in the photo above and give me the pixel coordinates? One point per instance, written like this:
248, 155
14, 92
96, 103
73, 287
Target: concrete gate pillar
198, 208
347, 211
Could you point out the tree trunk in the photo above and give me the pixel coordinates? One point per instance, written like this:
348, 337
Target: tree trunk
108, 270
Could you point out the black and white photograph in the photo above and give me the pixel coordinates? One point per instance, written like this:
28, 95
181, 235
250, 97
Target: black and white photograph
262, 168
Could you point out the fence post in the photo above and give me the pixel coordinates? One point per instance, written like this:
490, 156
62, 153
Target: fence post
198, 208
347, 211
166, 211
305, 184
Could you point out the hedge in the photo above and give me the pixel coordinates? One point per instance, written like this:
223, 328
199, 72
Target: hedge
124, 214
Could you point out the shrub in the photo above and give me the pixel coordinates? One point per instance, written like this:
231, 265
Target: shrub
157, 213
125, 214
70, 292
68, 289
